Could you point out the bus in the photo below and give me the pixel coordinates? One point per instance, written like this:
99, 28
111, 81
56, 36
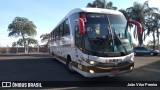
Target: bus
95, 42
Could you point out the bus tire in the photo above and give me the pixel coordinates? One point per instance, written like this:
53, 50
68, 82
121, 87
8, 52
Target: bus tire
152, 54
69, 65
53, 56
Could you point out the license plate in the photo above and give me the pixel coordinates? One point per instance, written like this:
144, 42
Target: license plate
115, 71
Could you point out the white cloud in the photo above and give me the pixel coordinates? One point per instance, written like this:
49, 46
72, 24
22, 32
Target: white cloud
152, 3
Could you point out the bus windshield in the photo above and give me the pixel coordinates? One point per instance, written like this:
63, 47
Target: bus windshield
107, 34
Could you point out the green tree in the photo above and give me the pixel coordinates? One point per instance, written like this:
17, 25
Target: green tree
151, 43
152, 26
45, 38
157, 26
22, 27
102, 4
31, 41
14, 44
28, 41
20, 42
139, 12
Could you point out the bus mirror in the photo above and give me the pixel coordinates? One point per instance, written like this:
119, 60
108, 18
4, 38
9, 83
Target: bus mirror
81, 26
135, 32
139, 27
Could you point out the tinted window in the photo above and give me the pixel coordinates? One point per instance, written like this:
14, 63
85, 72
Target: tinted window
78, 38
66, 27
53, 35
117, 19
57, 33
61, 30
73, 19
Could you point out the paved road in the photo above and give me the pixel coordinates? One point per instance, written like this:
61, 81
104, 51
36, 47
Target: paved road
41, 67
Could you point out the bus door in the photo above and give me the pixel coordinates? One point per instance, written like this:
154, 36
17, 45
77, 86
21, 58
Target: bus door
79, 43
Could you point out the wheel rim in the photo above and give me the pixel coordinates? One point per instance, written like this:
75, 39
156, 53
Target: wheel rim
134, 53
151, 54
70, 66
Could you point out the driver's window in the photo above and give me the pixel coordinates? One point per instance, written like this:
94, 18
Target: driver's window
78, 38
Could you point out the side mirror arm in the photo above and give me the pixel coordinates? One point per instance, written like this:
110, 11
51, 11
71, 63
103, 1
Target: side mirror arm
81, 26
139, 27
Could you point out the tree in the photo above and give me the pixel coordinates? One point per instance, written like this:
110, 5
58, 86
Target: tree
31, 41
28, 41
102, 4
20, 42
14, 44
45, 38
157, 26
22, 27
152, 26
151, 43
139, 12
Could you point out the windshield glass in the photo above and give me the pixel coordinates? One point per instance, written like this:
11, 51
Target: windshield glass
122, 38
97, 28
106, 33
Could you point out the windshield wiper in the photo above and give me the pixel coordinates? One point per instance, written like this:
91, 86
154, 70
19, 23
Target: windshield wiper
120, 41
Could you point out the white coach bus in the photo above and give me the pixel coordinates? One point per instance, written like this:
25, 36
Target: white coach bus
95, 42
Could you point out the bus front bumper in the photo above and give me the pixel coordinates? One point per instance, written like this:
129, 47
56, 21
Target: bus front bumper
97, 71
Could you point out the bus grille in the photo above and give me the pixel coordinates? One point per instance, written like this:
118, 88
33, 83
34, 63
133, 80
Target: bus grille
120, 64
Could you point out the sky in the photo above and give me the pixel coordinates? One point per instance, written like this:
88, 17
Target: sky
46, 14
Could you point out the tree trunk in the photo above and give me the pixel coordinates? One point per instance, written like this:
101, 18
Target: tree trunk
140, 37
25, 49
158, 39
154, 41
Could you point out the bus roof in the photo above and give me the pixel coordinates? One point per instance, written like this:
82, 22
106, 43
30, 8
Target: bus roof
94, 10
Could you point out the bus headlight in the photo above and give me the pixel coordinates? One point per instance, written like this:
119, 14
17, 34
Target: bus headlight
131, 68
132, 57
92, 62
91, 71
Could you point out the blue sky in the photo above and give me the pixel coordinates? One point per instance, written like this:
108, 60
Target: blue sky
46, 14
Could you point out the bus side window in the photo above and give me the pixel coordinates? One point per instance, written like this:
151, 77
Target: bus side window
78, 38
56, 34
61, 30
53, 35
66, 27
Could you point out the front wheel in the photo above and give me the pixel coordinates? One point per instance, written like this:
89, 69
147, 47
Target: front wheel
135, 53
53, 56
151, 53
69, 65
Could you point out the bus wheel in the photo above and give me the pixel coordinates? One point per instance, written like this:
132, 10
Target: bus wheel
53, 56
69, 65
152, 54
